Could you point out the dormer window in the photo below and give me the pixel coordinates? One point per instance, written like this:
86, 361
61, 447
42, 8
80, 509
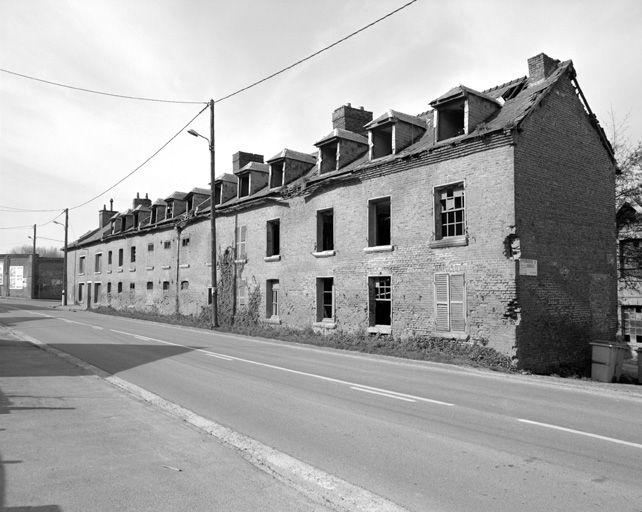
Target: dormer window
244, 185
276, 174
382, 137
218, 192
329, 157
170, 211
451, 120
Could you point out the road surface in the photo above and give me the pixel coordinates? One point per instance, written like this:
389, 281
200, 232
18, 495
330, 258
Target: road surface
425, 436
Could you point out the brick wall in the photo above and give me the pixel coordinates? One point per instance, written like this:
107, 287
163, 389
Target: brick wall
564, 196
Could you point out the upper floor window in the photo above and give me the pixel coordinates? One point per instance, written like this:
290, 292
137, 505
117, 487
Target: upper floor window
451, 119
325, 230
241, 234
81, 265
98, 262
244, 185
450, 219
120, 257
273, 237
109, 258
276, 173
379, 222
150, 247
132, 254
381, 139
167, 244
185, 242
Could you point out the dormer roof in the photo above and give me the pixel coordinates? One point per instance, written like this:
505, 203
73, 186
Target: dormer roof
339, 133
460, 91
159, 202
294, 155
177, 196
253, 167
392, 115
201, 191
226, 177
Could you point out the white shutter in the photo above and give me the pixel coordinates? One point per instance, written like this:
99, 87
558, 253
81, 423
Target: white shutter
457, 312
442, 302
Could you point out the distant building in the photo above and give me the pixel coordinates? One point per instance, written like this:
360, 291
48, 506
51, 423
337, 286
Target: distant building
30, 276
488, 217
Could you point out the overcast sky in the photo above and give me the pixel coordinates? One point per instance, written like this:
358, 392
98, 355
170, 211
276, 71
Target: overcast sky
60, 147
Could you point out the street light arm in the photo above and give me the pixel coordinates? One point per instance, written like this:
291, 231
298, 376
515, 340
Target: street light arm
196, 134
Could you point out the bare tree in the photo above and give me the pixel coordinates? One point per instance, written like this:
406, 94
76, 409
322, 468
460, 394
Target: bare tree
43, 252
628, 154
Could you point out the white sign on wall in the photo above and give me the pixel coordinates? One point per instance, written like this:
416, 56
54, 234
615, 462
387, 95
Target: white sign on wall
527, 267
16, 277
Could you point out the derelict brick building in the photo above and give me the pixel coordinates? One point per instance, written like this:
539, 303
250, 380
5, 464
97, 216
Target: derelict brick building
488, 217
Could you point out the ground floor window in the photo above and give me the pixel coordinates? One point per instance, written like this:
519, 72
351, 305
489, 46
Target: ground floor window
96, 292
81, 286
450, 312
150, 285
120, 287
184, 285
325, 298
109, 287
632, 323
165, 286
380, 303
272, 298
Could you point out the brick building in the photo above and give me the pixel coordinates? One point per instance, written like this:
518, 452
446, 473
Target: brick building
488, 217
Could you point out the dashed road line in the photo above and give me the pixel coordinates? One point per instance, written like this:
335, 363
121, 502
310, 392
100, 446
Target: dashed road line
581, 433
389, 395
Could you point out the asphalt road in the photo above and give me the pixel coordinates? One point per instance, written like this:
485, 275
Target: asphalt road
426, 436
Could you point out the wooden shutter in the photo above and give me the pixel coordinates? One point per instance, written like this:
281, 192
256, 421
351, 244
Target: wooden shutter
457, 312
442, 302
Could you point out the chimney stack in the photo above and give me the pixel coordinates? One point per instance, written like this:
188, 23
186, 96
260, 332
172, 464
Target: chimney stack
541, 67
104, 215
240, 159
144, 202
352, 119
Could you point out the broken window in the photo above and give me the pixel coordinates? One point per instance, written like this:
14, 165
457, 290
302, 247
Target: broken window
631, 258
165, 286
632, 323
381, 141
132, 287
167, 244
380, 303
325, 230
325, 299
450, 121
244, 185
170, 211
81, 265
185, 242
450, 313
98, 262
273, 237
272, 298
449, 211
120, 257
329, 157
132, 252
241, 234
379, 222
276, 173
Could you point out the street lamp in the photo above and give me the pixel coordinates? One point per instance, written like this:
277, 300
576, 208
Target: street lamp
210, 143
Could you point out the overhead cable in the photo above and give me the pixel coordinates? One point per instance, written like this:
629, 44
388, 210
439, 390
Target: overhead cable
301, 61
103, 93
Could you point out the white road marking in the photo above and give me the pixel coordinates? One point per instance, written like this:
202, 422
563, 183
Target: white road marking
580, 432
382, 394
97, 327
362, 387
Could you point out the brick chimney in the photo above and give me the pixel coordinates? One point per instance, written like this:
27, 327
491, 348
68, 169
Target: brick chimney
240, 159
138, 201
541, 67
352, 119
104, 215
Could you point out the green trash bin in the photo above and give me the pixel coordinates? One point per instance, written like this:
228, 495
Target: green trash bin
607, 360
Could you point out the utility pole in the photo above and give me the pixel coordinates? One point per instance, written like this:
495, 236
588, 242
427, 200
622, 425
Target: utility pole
64, 270
213, 218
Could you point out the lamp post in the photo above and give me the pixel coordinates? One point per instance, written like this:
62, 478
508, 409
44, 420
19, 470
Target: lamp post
210, 142
64, 270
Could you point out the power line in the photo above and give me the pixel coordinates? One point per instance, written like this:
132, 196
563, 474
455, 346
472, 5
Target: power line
13, 209
103, 93
37, 225
313, 54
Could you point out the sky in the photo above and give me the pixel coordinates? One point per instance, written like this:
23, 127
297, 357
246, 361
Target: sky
61, 147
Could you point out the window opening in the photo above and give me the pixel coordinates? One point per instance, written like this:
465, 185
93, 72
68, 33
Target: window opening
325, 230
451, 120
631, 258
241, 234
81, 265
273, 237
184, 285
632, 323
96, 292
325, 298
80, 290
133, 254
329, 157
167, 244
244, 185
132, 286
185, 242
150, 247
165, 286
379, 222
450, 211
380, 300
272, 298
150, 285
98, 263
276, 174
120, 287
120, 257
381, 141
109, 258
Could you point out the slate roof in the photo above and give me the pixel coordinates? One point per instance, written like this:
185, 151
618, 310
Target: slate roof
180, 196
459, 92
202, 191
294, 155
226, 177
253, 166
340, 133
393, 114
